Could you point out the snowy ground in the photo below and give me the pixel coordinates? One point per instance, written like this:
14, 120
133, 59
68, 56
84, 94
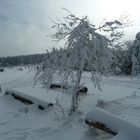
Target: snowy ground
120, 96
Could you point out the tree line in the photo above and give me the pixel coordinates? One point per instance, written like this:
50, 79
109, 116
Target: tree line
22, 60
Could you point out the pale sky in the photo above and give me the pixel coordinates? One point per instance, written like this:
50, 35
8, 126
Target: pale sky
25, 24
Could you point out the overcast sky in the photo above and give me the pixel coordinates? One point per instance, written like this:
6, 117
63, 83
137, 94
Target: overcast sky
24, 24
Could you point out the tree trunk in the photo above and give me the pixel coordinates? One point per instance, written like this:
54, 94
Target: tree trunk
74, 100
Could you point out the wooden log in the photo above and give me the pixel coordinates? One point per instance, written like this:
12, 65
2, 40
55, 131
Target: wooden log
101, 126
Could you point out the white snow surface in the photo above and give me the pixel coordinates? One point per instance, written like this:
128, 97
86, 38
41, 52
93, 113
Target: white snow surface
120, 96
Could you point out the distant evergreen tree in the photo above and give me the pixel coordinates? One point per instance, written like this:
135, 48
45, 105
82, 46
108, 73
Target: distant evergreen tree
118, 46
135, 55
22, 60
127, 66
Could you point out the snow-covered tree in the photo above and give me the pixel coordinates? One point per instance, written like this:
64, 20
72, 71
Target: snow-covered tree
135, 55
115, 32
127, 65
83, 45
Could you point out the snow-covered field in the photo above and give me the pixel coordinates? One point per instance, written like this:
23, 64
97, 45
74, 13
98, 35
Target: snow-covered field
120, 96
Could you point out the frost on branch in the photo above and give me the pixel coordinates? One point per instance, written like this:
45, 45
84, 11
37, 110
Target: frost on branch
84, 49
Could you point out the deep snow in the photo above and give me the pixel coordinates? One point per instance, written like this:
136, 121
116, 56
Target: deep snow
120, 96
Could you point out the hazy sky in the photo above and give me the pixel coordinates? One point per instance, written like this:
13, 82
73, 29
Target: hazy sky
24, 24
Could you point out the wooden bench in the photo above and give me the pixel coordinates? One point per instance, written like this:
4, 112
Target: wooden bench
101, 126
119, 128
82, 90
28, 100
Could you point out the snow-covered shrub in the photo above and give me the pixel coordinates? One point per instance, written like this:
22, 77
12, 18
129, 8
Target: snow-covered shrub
59, 107
127, 67
133, 56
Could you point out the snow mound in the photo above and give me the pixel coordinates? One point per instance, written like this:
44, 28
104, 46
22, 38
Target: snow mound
126, 130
